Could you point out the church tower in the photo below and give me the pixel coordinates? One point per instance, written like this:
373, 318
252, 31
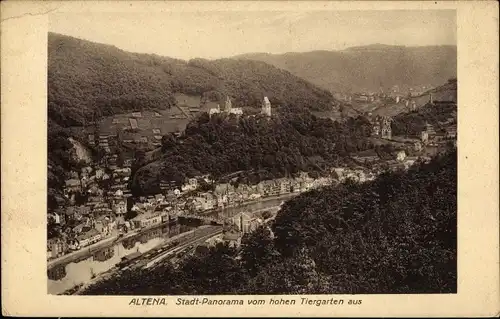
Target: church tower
386, 128
266, 107
228, 106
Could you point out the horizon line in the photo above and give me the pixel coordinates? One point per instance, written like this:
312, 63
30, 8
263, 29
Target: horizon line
260, 52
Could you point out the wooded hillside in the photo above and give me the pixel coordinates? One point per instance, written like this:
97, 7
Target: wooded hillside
88, 80
396, 234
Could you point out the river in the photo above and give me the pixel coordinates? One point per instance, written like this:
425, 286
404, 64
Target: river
68, 275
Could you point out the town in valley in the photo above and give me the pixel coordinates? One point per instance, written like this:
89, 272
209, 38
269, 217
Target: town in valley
182, 162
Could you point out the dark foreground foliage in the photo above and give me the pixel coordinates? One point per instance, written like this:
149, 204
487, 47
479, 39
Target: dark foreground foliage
396, 234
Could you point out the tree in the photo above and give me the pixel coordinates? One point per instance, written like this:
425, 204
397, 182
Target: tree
257, 249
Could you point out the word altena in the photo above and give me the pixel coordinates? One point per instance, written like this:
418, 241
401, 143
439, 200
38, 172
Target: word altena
148, 302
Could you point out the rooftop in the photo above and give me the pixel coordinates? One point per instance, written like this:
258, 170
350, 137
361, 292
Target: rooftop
91, 233
367, 153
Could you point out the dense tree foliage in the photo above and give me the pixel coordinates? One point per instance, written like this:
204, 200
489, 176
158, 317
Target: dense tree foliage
88, 80
294, 140
60, 160
396, 234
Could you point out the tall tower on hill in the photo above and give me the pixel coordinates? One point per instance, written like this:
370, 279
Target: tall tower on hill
266, 107
228, 106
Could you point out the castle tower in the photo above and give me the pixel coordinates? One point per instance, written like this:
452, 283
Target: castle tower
266, 107
228, 106
386, 128
430, 99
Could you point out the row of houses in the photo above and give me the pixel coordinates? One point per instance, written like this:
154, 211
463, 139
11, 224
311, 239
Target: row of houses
87, 231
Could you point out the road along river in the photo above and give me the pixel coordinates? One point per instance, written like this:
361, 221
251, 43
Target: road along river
69, 274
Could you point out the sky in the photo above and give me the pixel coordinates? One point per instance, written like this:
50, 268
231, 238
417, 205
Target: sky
217, 34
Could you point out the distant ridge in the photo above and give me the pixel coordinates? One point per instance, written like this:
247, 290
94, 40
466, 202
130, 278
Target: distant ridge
368, 67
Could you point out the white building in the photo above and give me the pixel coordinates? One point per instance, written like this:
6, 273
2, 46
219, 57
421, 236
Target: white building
146, 220
400, 155
266, 107
214, 110
228, 108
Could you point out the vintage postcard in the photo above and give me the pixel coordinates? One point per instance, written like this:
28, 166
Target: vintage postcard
250, 158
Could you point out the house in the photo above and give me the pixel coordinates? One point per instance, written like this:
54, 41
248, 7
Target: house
245, 223
274, 188
56, 247
91, 139
128, 163
192, 184
233, 238
72, 214
119, 207
451, 131
57, 218
367, 156
86, 170
88, 238
78, 229
400, 155
101, 225
122, 172
438, 137
73, 185
395, 165
147, 220
409, 161
104, 225
167, 185
417, 146
424, 137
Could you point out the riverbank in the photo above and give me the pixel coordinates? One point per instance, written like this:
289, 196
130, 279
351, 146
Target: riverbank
81, 252
186, 236
116, 239
261, 200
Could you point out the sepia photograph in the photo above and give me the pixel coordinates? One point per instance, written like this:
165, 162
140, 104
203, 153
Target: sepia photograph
252, 153
249, 158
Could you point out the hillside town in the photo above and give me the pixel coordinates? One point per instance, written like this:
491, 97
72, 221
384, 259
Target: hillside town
270, 167
101, 207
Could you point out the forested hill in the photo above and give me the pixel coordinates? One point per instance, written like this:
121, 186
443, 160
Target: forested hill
87, 79
368, 67
292, 141
396, 234
444, 109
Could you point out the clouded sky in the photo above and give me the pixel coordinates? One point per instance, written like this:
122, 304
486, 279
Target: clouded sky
222, 34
